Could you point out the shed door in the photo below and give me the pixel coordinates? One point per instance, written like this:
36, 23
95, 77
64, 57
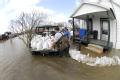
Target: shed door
105, 29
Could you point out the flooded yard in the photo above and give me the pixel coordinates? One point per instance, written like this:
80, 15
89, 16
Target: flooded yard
16, 63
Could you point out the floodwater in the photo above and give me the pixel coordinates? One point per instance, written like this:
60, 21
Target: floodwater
16, 63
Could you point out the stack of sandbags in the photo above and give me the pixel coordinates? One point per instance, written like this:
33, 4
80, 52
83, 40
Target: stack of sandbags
95, 48
94, 61
47, 42
40, 43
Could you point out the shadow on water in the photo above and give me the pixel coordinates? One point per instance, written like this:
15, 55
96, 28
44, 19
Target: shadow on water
16, 63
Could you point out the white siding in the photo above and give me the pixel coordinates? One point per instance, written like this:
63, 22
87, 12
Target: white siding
117, 13
113, 32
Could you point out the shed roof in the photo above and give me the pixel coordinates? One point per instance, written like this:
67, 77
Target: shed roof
87, 8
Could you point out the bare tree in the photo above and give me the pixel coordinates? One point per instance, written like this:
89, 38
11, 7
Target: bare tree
25, 23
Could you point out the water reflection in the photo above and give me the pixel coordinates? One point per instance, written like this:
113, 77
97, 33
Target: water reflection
16, 63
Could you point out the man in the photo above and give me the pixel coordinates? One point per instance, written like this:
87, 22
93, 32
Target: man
61, 42
67, 33
58, 34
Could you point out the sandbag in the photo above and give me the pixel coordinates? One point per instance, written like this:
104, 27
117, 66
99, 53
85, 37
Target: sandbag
45, 45
41, 43
39, 46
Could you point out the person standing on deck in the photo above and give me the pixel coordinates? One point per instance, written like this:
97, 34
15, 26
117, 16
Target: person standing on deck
67, 33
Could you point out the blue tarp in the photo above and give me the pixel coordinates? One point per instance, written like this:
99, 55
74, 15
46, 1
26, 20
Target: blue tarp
82, 33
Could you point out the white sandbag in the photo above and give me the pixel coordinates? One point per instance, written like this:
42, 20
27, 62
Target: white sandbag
117, 59
35, 40
98, 61
39, 45
33, 45
49, 43
45, 45
76, 55
46, 38
43, 39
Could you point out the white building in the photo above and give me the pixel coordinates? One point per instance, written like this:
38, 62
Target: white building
103, 16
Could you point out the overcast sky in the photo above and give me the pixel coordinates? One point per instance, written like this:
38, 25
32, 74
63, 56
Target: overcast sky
10, 9
59, 9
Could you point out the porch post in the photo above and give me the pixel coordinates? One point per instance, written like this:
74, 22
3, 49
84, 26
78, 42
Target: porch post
108, 31
73, 30
87, 21
108, 35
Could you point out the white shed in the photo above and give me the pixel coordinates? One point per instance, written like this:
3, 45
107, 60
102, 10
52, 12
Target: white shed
102, 16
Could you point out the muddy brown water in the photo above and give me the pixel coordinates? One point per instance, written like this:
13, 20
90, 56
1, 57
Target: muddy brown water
16, 63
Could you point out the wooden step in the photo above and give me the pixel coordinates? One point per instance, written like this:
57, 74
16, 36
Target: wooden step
95, 48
